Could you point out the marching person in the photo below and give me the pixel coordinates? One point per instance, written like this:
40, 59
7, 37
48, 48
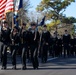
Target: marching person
5, 39
29, 44
34, 38
54, 51
15, 38
74, 43
66, 43
45, 43
25, 41
59, 46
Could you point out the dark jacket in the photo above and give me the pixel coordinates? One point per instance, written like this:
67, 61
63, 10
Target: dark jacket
15, 38
46, 37
33, 40
5, 36
66, 39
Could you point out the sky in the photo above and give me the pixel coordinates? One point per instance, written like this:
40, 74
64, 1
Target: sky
70, 10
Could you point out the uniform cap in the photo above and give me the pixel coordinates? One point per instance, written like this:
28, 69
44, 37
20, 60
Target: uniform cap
24, 24
44, 26
65, 30
33, 24
16, 28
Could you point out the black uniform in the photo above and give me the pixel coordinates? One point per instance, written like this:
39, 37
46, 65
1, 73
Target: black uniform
28, 44
45, 45
51, 46
59, 47
34, 38
25, 42
14, 47
5, 39
74, 43
54, 51
66, 43
40, 46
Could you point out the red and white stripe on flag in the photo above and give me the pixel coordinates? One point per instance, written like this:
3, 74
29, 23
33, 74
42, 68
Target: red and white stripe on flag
9, 6
2, 8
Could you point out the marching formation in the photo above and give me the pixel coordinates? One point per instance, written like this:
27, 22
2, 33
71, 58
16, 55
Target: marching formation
33, 44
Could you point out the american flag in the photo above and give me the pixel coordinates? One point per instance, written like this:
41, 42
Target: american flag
5, 7
9, 6
2, 8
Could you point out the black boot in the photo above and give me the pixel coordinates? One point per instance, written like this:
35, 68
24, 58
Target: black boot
14, 67
24, 68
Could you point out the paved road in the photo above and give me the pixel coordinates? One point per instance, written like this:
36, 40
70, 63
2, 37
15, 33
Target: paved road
56, 66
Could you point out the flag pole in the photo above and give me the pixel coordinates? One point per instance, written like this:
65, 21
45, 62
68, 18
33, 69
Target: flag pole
12, 22
21, 22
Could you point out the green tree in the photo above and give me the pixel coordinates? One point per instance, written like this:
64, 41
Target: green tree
69, 20
53, 8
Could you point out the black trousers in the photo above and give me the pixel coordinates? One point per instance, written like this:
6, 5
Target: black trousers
40, 49
44, 53
13, 52
34, 56
66, 50
75, 49
1, 51
4, 55
24, 51
28, 52
59, 50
